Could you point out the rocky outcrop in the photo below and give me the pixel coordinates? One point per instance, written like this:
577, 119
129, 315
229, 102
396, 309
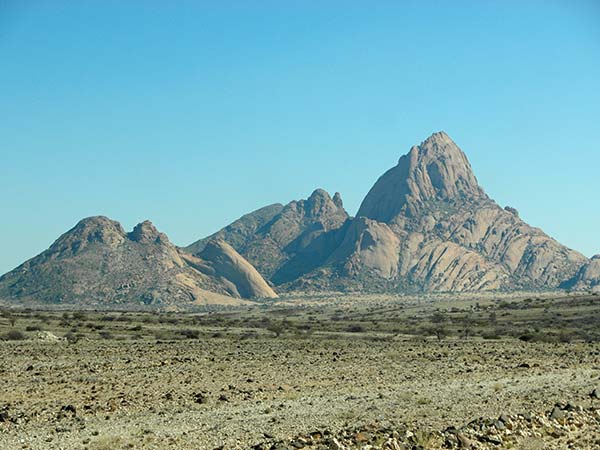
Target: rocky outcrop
97, 263
588, 277
274, 236
435, 170
238, 275
368, 245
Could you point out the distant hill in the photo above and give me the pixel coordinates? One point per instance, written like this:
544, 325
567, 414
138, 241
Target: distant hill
98, 263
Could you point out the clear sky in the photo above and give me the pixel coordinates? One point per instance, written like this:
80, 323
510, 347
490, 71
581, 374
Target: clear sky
194, 113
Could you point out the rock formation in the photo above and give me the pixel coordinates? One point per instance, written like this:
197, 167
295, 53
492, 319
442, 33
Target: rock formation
588, 277
98, 263
425, 225
218, 259
455, 236
270, 237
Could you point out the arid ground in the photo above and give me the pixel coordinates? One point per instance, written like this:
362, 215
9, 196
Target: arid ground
332, 371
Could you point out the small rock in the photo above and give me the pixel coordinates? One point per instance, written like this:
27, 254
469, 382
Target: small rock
557, 413
463, 441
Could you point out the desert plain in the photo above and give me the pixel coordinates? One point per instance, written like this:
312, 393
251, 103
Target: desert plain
328, 371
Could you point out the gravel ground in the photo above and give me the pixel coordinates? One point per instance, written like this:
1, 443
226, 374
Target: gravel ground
236, 393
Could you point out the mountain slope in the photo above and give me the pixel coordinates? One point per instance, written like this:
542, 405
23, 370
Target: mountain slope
97, 262
270, 237
218, 259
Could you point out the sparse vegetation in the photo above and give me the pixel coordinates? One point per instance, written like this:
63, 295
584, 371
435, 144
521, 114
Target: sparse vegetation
412, 344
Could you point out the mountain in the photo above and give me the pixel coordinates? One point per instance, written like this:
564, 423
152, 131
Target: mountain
425, 225
98, 263
454, 236
272, 236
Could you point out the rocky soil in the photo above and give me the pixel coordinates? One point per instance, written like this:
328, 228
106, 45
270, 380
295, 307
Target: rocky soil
338, 391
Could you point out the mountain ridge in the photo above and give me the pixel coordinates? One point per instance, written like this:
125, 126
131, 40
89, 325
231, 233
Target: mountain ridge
426, 225
97, 262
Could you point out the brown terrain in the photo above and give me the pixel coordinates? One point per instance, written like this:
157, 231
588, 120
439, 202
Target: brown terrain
327, 372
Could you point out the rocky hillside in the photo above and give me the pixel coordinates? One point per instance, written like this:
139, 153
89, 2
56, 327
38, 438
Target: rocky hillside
98, 263
272, 236
426, 225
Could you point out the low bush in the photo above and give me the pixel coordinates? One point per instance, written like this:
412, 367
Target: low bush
14, 335
190, 334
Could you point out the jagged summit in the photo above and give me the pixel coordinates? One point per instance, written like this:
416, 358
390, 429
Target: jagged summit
320, 204
271, 236
337, 200
437, 169
95, 229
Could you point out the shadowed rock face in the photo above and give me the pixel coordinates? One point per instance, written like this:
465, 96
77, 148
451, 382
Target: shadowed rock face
588, 277
96, 262
270, 237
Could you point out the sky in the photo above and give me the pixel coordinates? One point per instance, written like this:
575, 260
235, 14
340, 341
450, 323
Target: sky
193, 113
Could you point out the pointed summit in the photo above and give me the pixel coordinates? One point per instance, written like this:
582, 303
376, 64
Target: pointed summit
146, 232
437, 169
320, 203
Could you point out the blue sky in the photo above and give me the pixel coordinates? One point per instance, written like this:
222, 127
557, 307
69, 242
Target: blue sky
194, 113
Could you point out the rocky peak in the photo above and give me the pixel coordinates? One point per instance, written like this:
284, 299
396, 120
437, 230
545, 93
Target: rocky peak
320, 203
146, 232
95, 229
337, 200
434, 170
